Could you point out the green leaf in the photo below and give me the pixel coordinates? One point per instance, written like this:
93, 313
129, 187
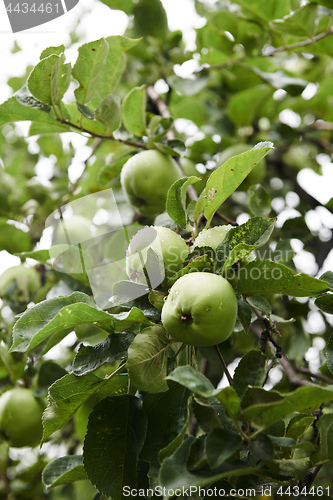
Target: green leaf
42, 256
52, 50
12, 239
240, 241
244, 314
304, 398
225, 180
220, 445
176, 200
265, 276
193, 381
201, 260
89, 358
268, 10
52, 316
167, 413
108, 112
325, 303
67, 394
115, 435
251, 371
64, 470
324, 453
88, 68
260, 201
300, 23
260, 303
85, 111
148, 360
50, 79
150, 19
252, 99
124, 5
228, 397
298, 425
177, 441
134, 111
113, 66
328, 276
13, 111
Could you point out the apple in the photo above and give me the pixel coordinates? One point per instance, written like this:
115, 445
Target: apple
169, 246
72, 231
146, 179
18, 284
21, 417
200, 310
211, 237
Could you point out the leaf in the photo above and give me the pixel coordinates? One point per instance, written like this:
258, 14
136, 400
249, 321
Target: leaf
174, 474
67, 394
252, 99
220, 445
52, 50
85, 111
268, 10
176, 200
328, 276
109, 112
40, 79
251, 371
324, 453
244, 314
260, 201
12, 111
124, 5
193, 381
225, 180
167, 413
115, 435
177, 441
304, 398
42, 256
88, 68
265, 276
228, 397
148, 360
240, 241
259, 302
89, 358
12, 239
325, 303
64, 470
201, 260
134, 111
113, 66
300, 23
52, 316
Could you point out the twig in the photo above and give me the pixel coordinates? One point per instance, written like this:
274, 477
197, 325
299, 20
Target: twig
271, 52
224, 217
101, 136
224, 365
309, 478
319, 376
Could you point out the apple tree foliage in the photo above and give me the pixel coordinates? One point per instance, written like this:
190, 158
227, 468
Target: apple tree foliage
125, 405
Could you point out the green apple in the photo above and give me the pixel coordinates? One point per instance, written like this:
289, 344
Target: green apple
255, 176
171, 250
21, 417
211, 237
146, 179
72, 231
200, 310
19, 284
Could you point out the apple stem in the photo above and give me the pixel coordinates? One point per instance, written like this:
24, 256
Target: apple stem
223, 363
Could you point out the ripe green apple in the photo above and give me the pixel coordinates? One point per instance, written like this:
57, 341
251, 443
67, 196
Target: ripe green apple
211, 237
72, 231
255, 176
146, 179
200, 310
21, 417
169, 246
18, 284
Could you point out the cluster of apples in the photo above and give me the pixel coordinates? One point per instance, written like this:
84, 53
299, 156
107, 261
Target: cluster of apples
201, 307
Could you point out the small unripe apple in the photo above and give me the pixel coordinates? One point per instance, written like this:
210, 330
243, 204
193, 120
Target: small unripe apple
18, 284
72, 231
146, 179
169, 246
200, 310
21, 417
211, 237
